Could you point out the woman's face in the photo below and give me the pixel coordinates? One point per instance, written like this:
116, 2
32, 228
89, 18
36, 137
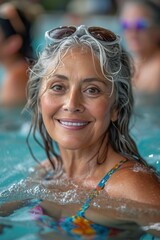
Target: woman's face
76, 102
140, 31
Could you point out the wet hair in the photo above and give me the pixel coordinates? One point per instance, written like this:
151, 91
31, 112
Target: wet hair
9, 28
116, 67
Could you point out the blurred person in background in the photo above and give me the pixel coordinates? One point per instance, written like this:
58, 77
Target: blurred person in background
140, 22
92, 7
15, 54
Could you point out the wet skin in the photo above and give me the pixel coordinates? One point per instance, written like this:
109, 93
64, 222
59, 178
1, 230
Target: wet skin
77, 106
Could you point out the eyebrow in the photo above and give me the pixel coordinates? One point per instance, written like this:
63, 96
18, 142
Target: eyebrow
86, 80
94, 80
62, 77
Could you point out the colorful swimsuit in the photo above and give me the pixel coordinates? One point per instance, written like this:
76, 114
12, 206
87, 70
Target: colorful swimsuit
79, 226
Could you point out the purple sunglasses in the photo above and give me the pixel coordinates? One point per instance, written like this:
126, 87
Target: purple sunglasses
141, 24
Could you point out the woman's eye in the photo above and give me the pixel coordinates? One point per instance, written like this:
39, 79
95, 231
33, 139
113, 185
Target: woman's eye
58, 88
92, 91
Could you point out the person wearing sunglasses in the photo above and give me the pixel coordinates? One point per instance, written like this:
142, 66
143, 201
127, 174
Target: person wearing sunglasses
80, 98
140, 24
15, 53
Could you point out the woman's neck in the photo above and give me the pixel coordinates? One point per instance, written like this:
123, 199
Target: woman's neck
87, 162
78, 162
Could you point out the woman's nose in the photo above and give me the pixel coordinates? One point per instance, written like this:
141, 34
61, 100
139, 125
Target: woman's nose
73, 102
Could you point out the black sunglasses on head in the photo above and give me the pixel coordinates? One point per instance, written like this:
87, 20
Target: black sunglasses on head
98, 33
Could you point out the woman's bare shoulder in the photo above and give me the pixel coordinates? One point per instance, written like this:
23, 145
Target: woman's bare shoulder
136, 182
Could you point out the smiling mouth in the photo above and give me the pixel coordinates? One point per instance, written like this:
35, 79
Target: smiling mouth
74, 124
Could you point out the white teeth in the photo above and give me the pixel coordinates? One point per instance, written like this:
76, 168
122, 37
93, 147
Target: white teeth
73, 123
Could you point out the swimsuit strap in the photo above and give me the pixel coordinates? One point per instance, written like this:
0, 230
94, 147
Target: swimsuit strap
99, 187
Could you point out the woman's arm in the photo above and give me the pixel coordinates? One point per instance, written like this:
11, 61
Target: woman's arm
127, 214
8, 208
115, 213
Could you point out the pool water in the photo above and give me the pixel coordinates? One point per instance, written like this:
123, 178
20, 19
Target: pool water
15, 158
145, 129
17, 163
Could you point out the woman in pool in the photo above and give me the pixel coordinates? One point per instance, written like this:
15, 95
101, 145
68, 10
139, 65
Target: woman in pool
140, 22
80, 96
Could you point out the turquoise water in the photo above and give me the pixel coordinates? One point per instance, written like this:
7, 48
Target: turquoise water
16, 164
145, 129
15, 159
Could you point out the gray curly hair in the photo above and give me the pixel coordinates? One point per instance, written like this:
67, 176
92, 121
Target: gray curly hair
115, 66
